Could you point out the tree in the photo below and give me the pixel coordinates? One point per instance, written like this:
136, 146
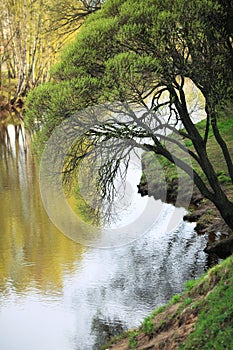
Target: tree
139, 51
32, 34
68, 16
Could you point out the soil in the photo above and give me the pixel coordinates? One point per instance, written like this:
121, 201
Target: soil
173, 327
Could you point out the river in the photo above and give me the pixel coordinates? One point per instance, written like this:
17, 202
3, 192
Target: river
56, 294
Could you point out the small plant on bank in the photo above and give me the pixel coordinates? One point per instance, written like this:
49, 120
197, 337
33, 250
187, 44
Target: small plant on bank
187, 301
223, 178
132, 339
148, 326
175, 299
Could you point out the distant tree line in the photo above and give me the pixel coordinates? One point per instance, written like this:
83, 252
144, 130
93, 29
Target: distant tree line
32, 33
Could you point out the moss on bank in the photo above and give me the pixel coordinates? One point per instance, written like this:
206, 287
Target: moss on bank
200, 318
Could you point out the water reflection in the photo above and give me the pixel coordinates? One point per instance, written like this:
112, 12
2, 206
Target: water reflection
105, 329
34, 253
56, 295
120, 287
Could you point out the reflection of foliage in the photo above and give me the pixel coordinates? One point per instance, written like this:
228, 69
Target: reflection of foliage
105, 328
78, 203
33, 254
80, 185
93, 173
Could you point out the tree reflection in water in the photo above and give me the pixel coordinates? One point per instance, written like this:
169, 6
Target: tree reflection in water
34, 252
103, 328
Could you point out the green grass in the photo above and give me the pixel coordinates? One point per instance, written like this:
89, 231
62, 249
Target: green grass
132, 342
148, 326
174, 299
123, 335
169, 171
214, 326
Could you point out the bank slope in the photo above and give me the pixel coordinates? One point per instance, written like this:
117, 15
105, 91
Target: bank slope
200, 318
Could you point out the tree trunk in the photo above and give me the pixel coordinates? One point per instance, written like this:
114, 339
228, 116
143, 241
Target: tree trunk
225, 207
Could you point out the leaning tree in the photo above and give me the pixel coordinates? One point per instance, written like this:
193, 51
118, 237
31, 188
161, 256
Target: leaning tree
135, 58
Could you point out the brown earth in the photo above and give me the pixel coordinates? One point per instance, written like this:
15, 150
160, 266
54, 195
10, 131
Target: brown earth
172, 327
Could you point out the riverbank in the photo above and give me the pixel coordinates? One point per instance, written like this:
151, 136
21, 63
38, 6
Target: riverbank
206, 216
200, 210
200, 318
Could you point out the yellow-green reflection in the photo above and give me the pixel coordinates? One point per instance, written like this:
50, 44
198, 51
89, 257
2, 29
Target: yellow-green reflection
33, 253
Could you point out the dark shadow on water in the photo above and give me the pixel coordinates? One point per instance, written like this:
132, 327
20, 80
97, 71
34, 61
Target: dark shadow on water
104, 329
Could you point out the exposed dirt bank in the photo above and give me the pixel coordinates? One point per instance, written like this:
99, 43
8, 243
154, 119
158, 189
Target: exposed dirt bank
171, 329
200, 318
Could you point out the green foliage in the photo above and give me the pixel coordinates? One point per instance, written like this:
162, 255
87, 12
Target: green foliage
124, 49
130, 44
186, 302
223, 178
32, 34
175, 299
190, 284
141, 52
148, 326
157, 311
132, 339
131, 72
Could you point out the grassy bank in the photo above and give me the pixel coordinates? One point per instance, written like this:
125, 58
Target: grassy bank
200, 318
226, 129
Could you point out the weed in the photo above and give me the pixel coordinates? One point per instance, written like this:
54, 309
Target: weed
158, 311
187, 301
132, 339
189, 284
148, 326
175, 299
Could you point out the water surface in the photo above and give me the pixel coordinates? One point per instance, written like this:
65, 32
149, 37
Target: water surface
58, 295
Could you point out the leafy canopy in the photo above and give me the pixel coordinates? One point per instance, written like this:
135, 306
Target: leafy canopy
128, 46
142, 52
